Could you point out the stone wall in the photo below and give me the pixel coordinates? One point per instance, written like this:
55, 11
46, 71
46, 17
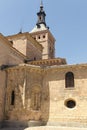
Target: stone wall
4, 52
27, 48
26, 82
42, 38
8, 55
20, 44
33, 52
46, 39
15, 58
3, 81
40, 94
59, 94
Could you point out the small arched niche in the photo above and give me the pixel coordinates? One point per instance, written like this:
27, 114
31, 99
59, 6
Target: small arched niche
36, 98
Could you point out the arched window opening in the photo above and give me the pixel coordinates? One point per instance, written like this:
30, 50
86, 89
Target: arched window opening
38, 37
69, 80
34, 58
44, 36
12, 98
35, 38
40, 18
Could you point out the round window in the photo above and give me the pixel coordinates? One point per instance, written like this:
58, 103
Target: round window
70, 103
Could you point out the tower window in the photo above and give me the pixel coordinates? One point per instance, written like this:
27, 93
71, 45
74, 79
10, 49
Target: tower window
39, 37
34, 58
35, 38
69, 80
12, 98
40, 17
43, 36
11, 42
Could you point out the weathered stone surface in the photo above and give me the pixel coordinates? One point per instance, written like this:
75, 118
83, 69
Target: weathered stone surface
25, 44
46, 39
41, 94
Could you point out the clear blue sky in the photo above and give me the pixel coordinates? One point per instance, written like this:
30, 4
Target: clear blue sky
67, 20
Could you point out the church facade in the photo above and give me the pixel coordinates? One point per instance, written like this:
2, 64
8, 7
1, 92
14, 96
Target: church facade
36, 86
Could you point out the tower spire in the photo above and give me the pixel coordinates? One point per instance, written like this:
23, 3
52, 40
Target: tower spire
41, 16
41, 23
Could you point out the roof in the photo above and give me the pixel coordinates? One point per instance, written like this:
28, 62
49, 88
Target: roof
41, 28
6, 42
49, 62
28, 37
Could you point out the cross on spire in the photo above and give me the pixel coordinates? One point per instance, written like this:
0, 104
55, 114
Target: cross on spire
41, 4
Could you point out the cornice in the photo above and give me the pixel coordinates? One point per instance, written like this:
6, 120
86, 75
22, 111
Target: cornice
49, 62
65, 67
45, 69
25, 67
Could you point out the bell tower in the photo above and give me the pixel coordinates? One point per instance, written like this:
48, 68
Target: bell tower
42, 34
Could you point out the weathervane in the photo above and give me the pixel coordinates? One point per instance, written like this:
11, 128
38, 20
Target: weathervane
41, 4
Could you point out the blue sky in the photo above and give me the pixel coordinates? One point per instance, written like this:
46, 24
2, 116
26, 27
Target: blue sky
67, 20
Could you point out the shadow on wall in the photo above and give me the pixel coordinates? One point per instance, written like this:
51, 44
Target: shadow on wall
13, 125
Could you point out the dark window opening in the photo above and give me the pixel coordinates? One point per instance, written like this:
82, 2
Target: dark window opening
11, 42
70, 103
50, 48
40, 17
69, 80
43, 36
39, 37
12, 98
34, 58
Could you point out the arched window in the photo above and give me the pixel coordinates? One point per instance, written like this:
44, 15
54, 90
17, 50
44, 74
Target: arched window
34, 58
12, 97
69, 80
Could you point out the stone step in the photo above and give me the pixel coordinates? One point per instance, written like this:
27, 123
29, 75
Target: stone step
18, 124
33, 123
14, 124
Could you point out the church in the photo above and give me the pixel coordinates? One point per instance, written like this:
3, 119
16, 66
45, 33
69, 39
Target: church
35, 86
